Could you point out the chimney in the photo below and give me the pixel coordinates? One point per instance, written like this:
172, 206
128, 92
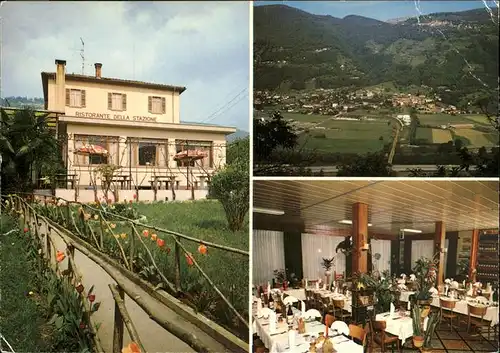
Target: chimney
60, 97
98, 67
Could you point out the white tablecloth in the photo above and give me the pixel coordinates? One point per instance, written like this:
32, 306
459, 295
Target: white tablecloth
401, 327
300, 294
329, 294
278, 342
461, 307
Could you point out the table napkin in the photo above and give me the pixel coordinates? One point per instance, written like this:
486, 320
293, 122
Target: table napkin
302, 307
317, 285
291, 340
272, 322
392, 309
408, 305
268, 287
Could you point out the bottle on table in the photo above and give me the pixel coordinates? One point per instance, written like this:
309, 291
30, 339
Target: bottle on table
270, 301
289, 315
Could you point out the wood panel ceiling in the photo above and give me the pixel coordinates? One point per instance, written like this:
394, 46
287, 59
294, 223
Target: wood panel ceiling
393, 205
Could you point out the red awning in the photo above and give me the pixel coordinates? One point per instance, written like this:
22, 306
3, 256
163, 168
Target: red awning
190, 155
91, 149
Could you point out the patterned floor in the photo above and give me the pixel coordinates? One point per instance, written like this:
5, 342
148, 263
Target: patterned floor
456, 341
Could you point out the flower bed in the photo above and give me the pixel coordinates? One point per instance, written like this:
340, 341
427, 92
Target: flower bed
229, 271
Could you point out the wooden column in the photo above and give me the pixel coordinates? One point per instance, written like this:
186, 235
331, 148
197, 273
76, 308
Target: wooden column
439, 242
474, 247
359, 238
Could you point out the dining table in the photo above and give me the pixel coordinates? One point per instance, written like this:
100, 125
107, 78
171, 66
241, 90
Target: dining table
399, 324
278, 341
461, 305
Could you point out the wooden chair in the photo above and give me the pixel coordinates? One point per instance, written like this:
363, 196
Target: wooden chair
478, 322
382, 338
329, 320
446, 311
338, 309
358, 333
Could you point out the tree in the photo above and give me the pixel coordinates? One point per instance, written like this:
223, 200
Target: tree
28, 147
271, 134
231, 185
369, 165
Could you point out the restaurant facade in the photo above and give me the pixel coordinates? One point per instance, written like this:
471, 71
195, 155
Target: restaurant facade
135, 127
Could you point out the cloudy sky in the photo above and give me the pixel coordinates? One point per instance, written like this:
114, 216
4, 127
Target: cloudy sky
203, 46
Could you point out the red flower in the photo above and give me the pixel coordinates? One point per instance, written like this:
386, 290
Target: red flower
130, 201
79, 287
135, 196
189, 259
202, 249
26, 230
160, 242
91, 298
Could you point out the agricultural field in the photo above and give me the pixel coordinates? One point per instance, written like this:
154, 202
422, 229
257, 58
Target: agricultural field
478, 119
347, 136
433, 135
313, 118
476, 138
442, 119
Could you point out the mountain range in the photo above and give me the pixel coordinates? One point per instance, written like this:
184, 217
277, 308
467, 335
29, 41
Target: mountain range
455, 51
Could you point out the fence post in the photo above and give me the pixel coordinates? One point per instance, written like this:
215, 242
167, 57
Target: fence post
132, 248
177, 265
118, 325
67, 222
101, 239
71, 250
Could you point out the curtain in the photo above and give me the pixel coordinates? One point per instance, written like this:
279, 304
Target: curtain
268, 254
421, 248
314, 249
382, 247
446, 245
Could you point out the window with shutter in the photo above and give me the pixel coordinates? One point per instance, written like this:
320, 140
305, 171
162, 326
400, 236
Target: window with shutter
163, 105
150, 104
110, 101
75, 98
67, 97
124, 102
156, 105
84, 102
116, 101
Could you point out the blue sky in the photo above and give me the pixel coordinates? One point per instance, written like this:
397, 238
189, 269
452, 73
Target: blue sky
380, 10
203, 46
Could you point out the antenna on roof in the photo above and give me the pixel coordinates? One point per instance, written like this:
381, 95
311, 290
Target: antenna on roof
82, 55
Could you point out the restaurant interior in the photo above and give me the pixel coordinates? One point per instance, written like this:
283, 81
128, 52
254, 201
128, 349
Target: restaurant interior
375, 265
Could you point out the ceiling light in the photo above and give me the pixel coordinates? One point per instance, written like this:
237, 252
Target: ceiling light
268, 211
347, 221
411, 230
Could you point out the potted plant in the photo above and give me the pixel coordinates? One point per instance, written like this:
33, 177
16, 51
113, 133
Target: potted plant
327, 265
418, 338
430, 329
384, 290
425, 278
280, 276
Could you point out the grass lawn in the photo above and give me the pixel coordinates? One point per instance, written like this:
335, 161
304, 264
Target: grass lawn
21, 321
205, 220
477, 138
348, 137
